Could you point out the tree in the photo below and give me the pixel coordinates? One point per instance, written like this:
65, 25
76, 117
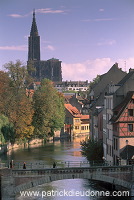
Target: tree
4, 91
19, 108
18, 74
6, 130
48, 110
94, 81
20, 113
92, 150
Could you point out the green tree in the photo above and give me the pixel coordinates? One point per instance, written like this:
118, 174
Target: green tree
48, 110
94, 81
92, 150
6, 130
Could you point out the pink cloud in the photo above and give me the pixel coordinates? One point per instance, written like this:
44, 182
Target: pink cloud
91, 68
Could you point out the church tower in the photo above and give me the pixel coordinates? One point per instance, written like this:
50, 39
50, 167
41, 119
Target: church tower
40, 69
34, 42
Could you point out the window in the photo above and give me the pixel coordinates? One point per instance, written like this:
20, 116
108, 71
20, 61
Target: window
130, 127
116, 144
130, 112
82, 128
76, 127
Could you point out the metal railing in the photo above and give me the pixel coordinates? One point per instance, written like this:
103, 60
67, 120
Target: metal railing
3, 165
43, 165
39, 164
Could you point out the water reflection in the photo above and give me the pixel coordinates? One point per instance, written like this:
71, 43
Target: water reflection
77, 189
64, 150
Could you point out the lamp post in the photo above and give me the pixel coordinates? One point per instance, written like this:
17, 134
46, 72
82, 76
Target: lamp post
103, 158
127, 151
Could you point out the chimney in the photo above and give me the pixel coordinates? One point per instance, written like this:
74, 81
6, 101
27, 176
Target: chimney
131, 70
116, 64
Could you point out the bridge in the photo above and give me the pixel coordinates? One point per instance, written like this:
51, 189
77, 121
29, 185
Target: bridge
18, 179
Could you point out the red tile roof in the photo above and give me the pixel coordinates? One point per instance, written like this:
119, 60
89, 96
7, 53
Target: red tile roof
85, 117
73, 110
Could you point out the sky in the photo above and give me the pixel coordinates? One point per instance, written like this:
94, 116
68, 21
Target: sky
88, 36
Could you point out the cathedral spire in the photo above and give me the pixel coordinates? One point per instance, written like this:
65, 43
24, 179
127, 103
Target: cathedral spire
34, 30
33, 13
34, 41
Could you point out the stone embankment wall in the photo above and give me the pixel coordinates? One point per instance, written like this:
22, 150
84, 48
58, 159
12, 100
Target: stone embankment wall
32, 142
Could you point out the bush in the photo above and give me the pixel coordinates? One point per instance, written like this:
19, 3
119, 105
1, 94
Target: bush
92, 150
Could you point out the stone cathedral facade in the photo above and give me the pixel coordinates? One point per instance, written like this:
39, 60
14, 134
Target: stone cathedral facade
39, 69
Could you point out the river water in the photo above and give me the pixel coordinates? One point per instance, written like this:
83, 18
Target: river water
64, 189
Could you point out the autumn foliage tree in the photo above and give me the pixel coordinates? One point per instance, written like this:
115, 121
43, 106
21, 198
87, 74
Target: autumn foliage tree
4, 91
40, 116
19, 108
48, 110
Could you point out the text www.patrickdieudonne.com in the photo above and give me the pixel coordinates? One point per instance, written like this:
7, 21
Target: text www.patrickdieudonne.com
63, 193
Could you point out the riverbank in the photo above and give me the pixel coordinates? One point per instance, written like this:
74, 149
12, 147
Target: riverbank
25, 145
35, 143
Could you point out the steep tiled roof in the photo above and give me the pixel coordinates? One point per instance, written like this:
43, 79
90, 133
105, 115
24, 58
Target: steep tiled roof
73, 110
120, 108
126, 78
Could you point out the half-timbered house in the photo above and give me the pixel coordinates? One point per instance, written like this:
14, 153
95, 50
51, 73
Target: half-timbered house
123, 126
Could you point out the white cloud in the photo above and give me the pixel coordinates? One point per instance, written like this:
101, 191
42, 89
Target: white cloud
126, 64
86, 70
101, 9
106, 42
42, 11
91, 68
14, 48
16, 15
49, 10
98, 19
50, 47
